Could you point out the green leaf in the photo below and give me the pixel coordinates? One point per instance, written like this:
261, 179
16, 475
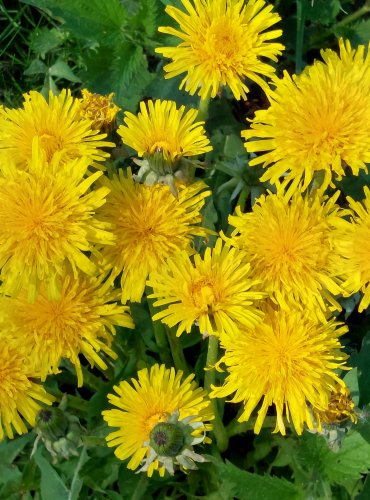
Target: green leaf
146, 17
351, 379
248, 486
352, 460
52, 486
363, 363
322, 11
36, 67
87, 19
61, 70
45, 40
9, 450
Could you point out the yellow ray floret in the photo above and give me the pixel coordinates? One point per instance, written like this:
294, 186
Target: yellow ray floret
317, 121
47, 222
150, 225
21, 396
156, 393
292, 246
355, 246
223, 42
80, 321
288, 361
216, 291
58, 126
161, 127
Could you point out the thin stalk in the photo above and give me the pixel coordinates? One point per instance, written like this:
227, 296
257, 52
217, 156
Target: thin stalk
299, 38
160, 335
176, 351
365, 9
203, 109
209, 380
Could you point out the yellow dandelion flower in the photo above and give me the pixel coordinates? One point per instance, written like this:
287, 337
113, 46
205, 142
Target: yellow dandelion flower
161, 127
223, 42
149, 224
216, 291
20, 394
355, 245
289, 361
340, 408
81, 321
58, 126
291, 245
100, 109
158, 396
46, 221
317, 121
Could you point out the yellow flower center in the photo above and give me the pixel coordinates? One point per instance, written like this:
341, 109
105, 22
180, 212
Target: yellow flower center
203, 294
50, 143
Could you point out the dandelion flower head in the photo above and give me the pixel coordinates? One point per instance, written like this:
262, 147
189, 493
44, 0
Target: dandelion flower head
287, 361
149, 400
21, 396
223, 42
291, 245
317, 121
80, 321
355, 246
160, 127
47, 222
340, 408
149, 224
216, 291
58, 126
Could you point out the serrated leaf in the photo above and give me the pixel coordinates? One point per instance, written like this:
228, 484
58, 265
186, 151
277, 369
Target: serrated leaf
87, 19
322, 11
60, 69
146, 17
52, 485
350, 462
44, 40
248, 486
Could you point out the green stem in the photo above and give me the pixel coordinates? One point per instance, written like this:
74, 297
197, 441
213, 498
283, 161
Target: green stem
209, 380
365, 9
203, 109
300, 36
176, 351
242, 200
160, 335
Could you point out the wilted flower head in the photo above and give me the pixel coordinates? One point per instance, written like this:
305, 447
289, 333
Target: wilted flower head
100, 109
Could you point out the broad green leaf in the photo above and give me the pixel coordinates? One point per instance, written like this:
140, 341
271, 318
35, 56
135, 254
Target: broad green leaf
52, 486
352, 460
248, 486
36, 67
321, 11
363, 364
87, 19
351, 379
9, 450
60, 69
45, 40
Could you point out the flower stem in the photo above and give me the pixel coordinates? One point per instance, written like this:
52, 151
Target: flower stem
176, 351
209, 380
365, 9
160, 336
203, 108
299, 38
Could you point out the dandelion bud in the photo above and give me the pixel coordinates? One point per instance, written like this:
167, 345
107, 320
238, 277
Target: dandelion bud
167, 439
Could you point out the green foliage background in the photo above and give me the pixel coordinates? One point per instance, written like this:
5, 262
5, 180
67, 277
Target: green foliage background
108, 46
